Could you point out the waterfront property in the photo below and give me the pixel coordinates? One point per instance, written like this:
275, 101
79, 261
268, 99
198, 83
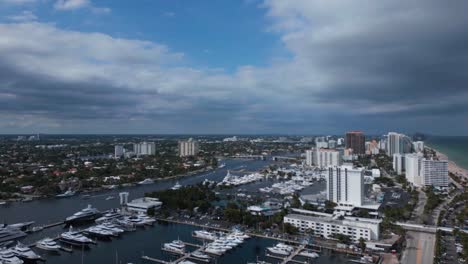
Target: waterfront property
144, 204
328, 226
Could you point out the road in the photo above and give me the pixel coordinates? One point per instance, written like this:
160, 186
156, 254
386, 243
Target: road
419, 248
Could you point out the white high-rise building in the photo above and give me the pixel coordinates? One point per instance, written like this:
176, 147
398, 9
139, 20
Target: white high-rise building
332, 144
310, 157
435, 173
144, 148
413, 167
340, 141
399, 163
118, 151
328, 157
418, 146
188, 148
345, 185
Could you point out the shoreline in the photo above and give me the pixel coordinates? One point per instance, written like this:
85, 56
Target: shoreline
452, 166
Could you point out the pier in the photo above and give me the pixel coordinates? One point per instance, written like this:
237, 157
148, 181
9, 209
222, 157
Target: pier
183, 256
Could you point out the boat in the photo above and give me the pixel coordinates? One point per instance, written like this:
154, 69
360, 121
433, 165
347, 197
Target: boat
87, 214
9, 233
204, 235
110, 198
214, 250
200, 255
25, 253
27, 199
281, 249
186, 262
222, 165
48, 244
108, 216
112, 228
176, 187
97, 231
176, 246
9, 257
68, 193
146, 181
3, 202
75, 238
309, 254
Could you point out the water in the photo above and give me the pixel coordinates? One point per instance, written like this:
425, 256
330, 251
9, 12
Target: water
456, 148
132, 245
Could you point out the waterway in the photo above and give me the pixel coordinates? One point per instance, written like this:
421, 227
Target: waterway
456, 148
132, 245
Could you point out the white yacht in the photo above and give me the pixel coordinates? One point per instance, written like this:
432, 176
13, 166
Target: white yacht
175, 246
98, 232
110, 198
48, 244
200, 255
68, 193
214, 250
75, 238
8, 257
108, 216
25, 252
309, 254
87, 214
176, 187
203, 234
146, 181
281, 249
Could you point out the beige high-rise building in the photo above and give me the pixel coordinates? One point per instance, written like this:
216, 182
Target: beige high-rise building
188, 148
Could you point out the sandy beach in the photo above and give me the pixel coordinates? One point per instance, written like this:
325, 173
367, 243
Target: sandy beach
452, 166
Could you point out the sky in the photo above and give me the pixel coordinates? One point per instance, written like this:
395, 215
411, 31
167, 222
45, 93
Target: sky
233, 66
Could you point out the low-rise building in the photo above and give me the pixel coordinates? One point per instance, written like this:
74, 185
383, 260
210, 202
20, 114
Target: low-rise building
268, 208
144, 204
328, 226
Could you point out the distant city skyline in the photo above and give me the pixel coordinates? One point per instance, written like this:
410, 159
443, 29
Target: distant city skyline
239, 67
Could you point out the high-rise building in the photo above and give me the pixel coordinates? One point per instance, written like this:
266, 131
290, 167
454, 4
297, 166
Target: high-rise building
435, 173
418, 146
340, 141
398, 163
398, 143
321, 142
345, 185
118, 151
372, 147
144, 148
413, 167
328, 157
310, 157
332, 144
356, 140
188, 148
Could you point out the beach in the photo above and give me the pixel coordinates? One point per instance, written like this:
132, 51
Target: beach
452, 166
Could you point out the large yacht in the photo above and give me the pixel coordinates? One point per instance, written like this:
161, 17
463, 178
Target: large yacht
203, 234
48, 244
8, 234
175, 246
75, 238
87, 214
8, 257
24, 252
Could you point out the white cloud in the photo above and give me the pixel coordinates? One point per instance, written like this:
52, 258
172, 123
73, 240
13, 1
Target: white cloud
24, 16
71, 4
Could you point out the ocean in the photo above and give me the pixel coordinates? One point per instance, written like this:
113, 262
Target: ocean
456, 148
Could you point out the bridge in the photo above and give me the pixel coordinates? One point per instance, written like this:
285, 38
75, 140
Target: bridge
426, 228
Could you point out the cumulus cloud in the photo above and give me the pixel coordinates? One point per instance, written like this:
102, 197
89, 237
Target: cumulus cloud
24, 16
67, 5
354, 64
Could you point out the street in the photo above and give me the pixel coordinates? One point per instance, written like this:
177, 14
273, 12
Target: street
419, 248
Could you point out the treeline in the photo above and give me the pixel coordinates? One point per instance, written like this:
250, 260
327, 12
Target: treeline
186, 198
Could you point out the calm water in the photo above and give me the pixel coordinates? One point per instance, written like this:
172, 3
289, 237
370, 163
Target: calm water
456, 148
131, 246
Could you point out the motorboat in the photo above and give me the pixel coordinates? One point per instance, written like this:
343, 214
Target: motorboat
146, 181
309, 254
110, 198
48, 244
87, 214
112, 228
222, 165
281, 249
9, 233
68, 193
97, 231
214, 250
7, 256
75, 238
200, 255
176, 246
176, 187
108, 216
204, 235
24, 252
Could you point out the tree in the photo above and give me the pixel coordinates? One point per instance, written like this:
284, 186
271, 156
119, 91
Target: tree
362, 244
343, 238
290, 229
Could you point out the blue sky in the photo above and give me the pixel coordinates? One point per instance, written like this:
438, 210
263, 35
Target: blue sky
252, 66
